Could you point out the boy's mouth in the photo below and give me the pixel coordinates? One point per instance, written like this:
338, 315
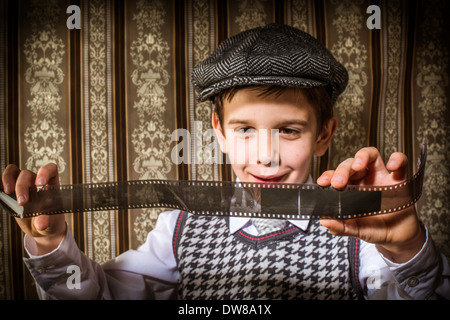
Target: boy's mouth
267, 178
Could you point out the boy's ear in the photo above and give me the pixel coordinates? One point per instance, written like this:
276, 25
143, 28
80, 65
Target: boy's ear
324, 138
219, 131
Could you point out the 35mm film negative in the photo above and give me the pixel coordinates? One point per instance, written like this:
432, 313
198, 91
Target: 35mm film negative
237, 199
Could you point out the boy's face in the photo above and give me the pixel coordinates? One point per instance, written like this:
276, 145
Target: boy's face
271, 138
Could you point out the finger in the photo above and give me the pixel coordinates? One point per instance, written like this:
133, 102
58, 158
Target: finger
342, 174
358, 175
9, 178
368, 158
341, 227
325, 179
398, 165
25, 225
47, 175
25, 181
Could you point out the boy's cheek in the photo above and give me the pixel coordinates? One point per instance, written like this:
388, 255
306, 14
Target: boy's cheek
235, 152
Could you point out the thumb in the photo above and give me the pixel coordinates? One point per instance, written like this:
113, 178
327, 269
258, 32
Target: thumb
48, 232
336, 227
49, 225
41, 223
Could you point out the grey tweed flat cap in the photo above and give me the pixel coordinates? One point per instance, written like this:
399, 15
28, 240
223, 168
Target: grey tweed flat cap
271, 55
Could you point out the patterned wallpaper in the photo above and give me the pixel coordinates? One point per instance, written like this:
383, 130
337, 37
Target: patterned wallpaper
102, 101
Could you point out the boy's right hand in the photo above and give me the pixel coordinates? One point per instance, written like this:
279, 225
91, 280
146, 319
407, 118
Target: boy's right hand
47, 230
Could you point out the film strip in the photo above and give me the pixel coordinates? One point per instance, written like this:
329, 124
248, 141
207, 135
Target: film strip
237, 199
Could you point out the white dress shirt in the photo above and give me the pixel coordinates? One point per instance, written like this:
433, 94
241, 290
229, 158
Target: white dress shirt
150, 272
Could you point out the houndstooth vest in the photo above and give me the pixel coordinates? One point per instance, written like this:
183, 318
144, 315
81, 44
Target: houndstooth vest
287, 264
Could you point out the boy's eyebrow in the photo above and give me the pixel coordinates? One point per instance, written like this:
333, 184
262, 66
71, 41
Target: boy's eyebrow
238, 121
303, 123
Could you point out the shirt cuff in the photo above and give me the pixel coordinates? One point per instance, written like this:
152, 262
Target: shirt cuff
51, 268
417, 276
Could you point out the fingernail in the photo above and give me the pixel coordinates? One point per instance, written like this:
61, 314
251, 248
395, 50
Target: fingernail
21, 200
358, 162
392, 163
40, 182
324, 223
338, 179
8, 188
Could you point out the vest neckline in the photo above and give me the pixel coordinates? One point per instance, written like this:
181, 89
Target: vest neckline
259, 241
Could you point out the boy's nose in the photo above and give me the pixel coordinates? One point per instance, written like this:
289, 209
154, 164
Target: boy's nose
268, 151
267, 160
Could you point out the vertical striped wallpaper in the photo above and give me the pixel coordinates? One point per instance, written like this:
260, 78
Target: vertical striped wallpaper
102, 101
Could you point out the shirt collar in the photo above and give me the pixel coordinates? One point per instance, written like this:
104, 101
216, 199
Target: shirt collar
237, 223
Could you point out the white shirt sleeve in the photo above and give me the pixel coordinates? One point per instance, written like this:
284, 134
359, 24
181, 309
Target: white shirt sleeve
425, 276
150, 272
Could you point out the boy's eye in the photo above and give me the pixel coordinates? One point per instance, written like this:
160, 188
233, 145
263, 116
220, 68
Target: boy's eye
245, 131
289, 131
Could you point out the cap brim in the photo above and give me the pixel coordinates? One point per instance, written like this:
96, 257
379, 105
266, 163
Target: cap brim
242, 81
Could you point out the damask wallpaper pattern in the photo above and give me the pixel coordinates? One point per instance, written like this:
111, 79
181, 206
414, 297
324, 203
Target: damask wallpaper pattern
103, 101
98, 122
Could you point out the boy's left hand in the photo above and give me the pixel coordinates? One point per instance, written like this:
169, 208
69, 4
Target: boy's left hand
400, 235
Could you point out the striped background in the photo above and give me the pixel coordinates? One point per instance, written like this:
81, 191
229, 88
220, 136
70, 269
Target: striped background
102, 101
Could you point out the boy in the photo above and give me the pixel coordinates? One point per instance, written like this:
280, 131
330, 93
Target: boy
270, 78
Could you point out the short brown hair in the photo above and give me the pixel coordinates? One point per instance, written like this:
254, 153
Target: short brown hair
318, 97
